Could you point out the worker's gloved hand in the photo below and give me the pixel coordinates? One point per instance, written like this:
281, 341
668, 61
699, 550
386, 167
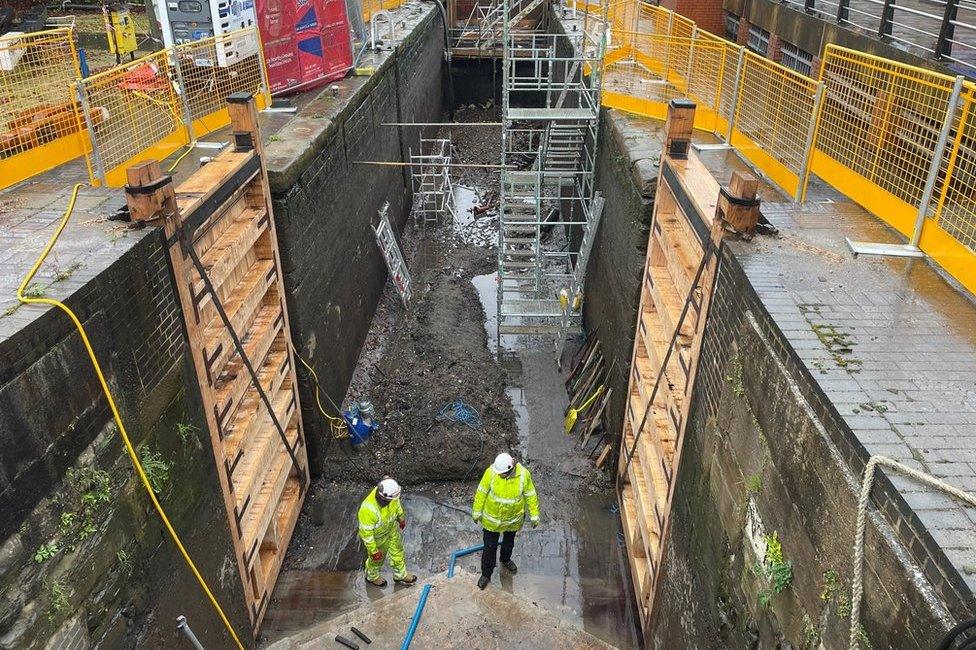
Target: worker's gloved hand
377, 556
535, 523
403, 524
476, 518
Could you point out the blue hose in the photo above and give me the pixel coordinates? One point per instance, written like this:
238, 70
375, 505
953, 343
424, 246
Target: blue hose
459, 553
423, 594
416, 618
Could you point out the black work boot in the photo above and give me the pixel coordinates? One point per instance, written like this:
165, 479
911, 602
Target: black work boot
508, 564
483, 582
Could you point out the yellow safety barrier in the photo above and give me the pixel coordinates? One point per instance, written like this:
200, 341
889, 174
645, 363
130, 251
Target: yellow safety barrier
878, 129
678, 67
150, 107
772, 120
213, 69
870, 127
39, 127
138, 113
950, 235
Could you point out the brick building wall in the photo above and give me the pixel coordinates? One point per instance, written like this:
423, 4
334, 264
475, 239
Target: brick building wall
707, 14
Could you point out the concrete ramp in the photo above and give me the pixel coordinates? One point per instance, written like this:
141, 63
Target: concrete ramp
457, 615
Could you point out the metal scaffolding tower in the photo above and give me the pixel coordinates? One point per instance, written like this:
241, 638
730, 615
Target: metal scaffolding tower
430, 175
549, 211
481, 33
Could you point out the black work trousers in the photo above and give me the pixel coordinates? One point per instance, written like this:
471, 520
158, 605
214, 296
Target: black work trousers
488, 555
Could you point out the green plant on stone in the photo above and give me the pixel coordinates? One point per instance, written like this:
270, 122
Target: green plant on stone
86, 530
124, 561
92, 484
811, 634
57, 599
34, 290
156, 469
735, 376
46, 551
67, 521
830, 585
843, 607
64, 274
775, 570
185, 429
754, 483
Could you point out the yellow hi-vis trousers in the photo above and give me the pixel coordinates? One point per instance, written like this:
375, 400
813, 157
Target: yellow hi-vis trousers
392, 548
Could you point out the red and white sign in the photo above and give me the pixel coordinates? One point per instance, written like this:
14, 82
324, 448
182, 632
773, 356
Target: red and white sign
305, 42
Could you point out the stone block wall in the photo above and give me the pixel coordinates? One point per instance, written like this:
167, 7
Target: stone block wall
761, 461
626, 173
325, 206
83, 557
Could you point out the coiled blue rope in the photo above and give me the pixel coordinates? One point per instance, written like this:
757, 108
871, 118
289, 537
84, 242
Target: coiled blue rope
458, 411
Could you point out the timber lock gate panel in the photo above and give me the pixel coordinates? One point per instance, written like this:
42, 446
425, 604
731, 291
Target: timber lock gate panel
691, 216
224, 254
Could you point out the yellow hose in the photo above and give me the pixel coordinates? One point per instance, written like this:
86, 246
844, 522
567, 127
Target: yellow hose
183, 155
115, 411
338, 425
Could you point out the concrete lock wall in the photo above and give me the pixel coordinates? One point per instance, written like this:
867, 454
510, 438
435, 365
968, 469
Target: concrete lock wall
325, 204
83, 557
626, 172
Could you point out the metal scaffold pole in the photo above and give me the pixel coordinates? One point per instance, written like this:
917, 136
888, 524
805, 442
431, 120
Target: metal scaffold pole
549, 210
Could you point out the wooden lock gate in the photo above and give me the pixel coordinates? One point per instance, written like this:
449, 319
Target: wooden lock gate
691, 215
223, 249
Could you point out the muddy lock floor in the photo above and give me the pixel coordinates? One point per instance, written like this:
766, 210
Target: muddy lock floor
413, 363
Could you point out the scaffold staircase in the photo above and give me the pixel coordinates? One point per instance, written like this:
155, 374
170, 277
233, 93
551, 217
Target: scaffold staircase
549, 211
484, 27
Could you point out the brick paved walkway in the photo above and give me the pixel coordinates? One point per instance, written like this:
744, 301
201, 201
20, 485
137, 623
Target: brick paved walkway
29, 213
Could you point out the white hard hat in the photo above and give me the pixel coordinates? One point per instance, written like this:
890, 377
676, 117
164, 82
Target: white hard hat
503, 463
389, 489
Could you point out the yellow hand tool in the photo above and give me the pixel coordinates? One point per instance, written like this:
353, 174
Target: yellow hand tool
570, 421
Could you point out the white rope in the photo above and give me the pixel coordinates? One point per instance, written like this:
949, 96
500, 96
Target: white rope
857, 590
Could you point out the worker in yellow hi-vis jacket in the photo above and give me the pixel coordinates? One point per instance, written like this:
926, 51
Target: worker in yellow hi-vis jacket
381, 518
506, 491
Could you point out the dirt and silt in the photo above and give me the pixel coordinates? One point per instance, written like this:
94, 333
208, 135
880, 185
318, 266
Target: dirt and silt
413, 364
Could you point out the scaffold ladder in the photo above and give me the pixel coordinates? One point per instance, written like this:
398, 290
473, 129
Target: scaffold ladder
392, 255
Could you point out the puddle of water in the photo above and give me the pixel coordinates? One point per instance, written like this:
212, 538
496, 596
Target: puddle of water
517, 397
487, 288
477, 230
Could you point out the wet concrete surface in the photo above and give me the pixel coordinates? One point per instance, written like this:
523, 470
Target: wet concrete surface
453, 617
573, 563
